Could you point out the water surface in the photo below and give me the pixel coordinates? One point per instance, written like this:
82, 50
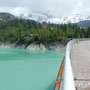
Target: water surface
28, 70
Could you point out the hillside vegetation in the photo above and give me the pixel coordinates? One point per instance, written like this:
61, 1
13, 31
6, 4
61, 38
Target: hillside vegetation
25, 31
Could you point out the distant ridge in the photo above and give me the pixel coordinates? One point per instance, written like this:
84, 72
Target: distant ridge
6, 16
39, 17
78, 19
85, 23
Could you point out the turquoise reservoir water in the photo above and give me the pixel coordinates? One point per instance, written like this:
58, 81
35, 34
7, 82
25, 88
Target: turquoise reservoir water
29, 70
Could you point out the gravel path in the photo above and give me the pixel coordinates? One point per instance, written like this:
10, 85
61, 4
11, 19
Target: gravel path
81, 65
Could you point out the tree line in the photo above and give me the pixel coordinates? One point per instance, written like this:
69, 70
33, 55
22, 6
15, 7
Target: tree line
28, 31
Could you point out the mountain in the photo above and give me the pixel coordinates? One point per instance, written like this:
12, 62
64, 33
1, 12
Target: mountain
48, 18
85, 23
39, 17
36, 16
69, 19
6, 16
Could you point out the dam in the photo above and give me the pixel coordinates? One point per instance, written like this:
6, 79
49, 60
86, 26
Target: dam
80, 58
76, 72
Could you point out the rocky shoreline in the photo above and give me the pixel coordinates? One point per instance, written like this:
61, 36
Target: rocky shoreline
56, 46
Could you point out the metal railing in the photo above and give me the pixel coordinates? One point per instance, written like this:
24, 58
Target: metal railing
68, 79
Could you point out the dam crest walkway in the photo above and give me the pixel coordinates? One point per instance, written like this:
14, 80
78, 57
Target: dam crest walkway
80, 59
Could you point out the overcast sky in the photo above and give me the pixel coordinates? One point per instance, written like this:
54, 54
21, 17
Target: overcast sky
57, 8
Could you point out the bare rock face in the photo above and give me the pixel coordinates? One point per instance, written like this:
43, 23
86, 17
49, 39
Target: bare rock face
33, 46
55, 46
36, 47
10, 45
6, 45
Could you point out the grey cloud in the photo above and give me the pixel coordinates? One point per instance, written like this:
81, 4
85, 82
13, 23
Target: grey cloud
55, 7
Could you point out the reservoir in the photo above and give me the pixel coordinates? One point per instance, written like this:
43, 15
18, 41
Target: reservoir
22, 69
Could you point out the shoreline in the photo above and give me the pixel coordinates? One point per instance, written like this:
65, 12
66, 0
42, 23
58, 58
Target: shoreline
55, 46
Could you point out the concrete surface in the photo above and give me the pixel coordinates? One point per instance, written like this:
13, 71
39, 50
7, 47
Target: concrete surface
80, 57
